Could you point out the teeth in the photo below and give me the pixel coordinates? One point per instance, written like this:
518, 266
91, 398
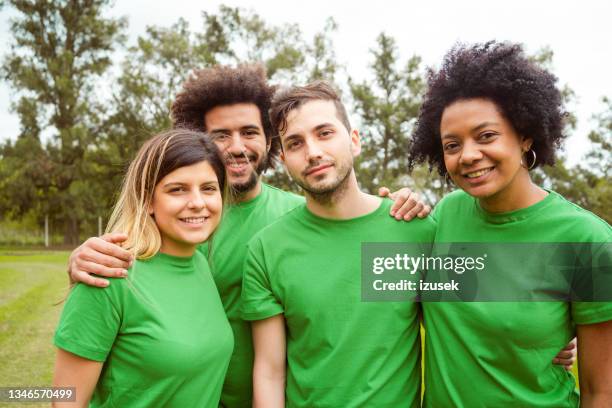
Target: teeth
478, 173
194, 220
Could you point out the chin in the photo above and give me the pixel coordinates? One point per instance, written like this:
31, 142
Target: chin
483, 191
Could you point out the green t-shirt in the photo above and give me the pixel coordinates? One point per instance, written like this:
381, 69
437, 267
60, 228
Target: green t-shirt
495, 354
162, 334
240, 223
341, 351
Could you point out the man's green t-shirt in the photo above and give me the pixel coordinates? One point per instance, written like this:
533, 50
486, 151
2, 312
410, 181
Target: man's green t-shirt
240, 222
162, 334
341, 351
495, 354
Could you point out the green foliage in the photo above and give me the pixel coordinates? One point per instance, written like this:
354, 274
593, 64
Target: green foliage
59, 49
588, 183
387, 107
75, 142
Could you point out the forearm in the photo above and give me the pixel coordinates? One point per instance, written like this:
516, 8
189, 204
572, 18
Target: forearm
595, 399
74, 371
595, 364
268, 389
270, 365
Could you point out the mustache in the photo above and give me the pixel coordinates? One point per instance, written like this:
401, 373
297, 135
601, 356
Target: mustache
232, 158
313, 164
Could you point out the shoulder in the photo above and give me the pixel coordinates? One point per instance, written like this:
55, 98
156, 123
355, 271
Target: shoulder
578, 220
285, 196
457, 200
279, 228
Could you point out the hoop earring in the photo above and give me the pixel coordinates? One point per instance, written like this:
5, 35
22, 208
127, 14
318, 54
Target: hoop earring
533, 163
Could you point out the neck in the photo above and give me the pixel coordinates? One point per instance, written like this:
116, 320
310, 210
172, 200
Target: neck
248, 195
177, 250
520, 193
346, 202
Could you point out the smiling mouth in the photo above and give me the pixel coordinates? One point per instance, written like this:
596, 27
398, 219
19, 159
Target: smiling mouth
194, 220
478, 173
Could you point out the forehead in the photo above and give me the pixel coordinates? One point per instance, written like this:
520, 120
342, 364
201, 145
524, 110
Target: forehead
469, 113
233, 116
197, 173
310, 115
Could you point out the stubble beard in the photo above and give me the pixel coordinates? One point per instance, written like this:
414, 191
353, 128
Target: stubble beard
332, 192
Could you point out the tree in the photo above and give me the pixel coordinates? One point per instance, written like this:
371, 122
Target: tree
387, 106
60, 47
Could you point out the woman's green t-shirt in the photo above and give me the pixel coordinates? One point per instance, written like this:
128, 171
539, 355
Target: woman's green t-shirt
493, 354
162, 334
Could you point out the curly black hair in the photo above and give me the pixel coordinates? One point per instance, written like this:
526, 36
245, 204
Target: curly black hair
524, 93
208, 88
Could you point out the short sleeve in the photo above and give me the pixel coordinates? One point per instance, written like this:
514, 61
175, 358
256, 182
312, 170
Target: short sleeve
89, 322
258, 299
600, 279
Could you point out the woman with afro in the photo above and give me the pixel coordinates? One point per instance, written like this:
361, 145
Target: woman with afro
490, 116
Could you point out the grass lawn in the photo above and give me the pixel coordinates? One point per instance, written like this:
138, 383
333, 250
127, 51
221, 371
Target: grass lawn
31, 283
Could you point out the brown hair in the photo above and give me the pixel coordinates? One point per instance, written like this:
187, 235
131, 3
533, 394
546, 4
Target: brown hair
208, 88
292, 98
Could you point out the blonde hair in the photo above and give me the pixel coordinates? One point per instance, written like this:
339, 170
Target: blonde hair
159, 156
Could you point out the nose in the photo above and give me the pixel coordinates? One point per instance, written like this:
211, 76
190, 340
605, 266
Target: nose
196, 200
470, 154
236, 145
313, 150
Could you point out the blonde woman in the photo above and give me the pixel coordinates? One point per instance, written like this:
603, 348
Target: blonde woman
140, 342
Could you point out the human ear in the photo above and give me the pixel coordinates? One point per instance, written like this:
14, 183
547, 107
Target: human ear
355, 143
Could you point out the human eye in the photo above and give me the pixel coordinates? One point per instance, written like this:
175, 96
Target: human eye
219, 136
209, 188
487, 136
326, 132
251, 132
177, 189
294, 144
451, 147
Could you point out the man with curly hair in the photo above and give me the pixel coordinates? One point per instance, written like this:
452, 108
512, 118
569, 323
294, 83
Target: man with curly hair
231, 105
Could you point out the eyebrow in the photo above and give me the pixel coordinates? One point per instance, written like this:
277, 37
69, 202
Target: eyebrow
474, 129
323, 125
246, 127
316, 128
484, 125
178, 183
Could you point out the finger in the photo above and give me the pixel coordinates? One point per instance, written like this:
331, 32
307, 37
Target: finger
89, 255
563, 361
90, 280
568, 367
424, 212
399, 199
571, 345
413, 211
407, 206
106, 248
115, 237
101, 270
565, 354
384, 191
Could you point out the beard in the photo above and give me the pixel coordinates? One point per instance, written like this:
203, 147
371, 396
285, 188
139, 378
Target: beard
329, 192
257, 167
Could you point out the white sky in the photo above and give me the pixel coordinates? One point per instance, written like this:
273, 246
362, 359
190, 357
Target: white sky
579, 33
